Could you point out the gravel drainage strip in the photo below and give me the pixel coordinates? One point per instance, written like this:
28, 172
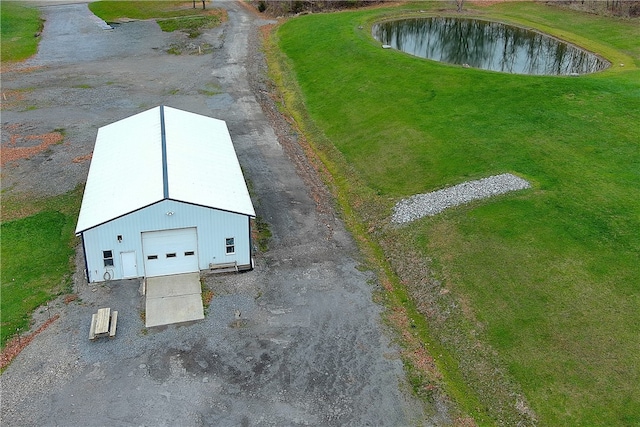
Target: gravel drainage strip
430, 204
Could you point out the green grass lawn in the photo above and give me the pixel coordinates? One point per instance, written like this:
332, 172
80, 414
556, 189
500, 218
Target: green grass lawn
18, 26
549, 278
37, 256
170, 15
114, 10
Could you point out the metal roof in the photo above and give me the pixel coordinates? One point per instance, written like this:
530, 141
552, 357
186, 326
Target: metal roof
162, 153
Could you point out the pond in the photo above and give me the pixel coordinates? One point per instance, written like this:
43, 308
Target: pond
486, 45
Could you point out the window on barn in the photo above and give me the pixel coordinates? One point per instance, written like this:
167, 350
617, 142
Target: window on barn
230, 245
107, 257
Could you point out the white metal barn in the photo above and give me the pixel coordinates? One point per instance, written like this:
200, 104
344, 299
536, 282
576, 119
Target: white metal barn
165, 195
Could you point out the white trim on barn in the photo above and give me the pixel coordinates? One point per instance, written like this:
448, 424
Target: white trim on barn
166, 181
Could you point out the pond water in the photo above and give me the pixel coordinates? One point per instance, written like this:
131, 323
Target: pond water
486, 45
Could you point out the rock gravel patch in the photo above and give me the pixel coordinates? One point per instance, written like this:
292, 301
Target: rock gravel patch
430, 204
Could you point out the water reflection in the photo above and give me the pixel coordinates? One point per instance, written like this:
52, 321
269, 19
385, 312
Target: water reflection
487, 45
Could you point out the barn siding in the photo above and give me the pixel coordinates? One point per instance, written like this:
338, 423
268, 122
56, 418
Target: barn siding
212, 225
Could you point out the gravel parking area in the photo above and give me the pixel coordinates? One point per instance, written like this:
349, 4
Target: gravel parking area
308, 349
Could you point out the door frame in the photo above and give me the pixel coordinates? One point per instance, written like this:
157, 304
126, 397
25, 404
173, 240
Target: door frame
126, 265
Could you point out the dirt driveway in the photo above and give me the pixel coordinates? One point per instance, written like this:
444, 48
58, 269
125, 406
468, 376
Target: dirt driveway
308, 349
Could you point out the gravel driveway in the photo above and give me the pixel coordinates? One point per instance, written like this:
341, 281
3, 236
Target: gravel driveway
309, 348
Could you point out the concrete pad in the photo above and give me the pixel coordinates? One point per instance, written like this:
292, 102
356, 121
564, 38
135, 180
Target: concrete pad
173, 299
173, 285
176, 309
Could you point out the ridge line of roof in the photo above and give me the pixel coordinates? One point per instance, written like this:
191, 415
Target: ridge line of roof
163, 138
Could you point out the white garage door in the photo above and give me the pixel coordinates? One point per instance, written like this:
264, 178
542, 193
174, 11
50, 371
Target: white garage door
170, 252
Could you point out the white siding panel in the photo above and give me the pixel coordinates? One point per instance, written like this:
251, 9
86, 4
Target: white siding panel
212, 226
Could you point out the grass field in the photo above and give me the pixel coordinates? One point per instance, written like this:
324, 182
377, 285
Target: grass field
537, 293
37, 256
113, 10
170, 15
18, 26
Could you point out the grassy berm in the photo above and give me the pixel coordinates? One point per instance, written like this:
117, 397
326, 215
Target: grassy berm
529, 301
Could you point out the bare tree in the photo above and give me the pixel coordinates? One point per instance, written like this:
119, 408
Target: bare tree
460, 3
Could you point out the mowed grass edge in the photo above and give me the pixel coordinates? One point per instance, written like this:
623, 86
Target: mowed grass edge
19, 26
170, 15
112, 11
21, 22
37, 256
529, 272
